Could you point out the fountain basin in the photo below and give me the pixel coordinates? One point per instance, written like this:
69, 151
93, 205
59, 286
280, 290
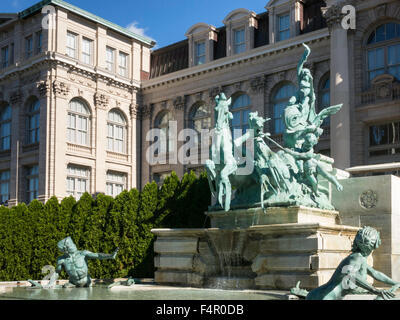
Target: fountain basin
263, 256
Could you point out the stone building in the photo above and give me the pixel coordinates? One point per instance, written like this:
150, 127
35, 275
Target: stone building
253, 59
70, 90
79, 98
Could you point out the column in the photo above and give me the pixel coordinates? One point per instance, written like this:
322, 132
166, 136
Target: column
340, 89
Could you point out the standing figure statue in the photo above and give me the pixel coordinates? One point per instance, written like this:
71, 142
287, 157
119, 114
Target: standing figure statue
222, 163
75, 264
350, 276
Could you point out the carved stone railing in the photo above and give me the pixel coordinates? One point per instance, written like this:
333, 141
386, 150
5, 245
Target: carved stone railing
76, 148
117, 156
383, 88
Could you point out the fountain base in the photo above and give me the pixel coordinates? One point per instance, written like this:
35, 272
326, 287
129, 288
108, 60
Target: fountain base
265, 256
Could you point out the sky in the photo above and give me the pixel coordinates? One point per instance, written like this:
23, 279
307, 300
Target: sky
165, 21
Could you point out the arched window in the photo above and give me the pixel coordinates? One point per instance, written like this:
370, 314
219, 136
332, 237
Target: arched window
241, 109
78, 131
325, 98
383, 51
117, 132
162, 123
280, 102
33, 122
5, 128
200, 117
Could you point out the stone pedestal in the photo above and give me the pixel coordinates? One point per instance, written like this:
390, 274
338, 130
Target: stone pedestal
374, 201
247, 249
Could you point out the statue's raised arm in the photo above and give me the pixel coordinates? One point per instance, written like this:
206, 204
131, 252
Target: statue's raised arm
303, 60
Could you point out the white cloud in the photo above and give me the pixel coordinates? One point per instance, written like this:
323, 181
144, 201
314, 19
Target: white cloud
134, 27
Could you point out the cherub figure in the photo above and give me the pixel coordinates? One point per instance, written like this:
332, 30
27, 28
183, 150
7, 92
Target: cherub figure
350, 276
311, 166
75, 264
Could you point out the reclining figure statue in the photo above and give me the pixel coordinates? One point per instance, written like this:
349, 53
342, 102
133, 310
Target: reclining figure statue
75, 264
350, 276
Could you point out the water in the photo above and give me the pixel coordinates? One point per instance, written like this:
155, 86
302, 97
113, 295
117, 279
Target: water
136, 292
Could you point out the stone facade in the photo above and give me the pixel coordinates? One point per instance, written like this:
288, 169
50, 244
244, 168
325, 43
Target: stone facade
169, 81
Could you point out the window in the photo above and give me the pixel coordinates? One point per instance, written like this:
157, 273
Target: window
77, 181
200, 117
162, 123
78, 123
87, 51
5, 128
29, 47
4, 187
33, 183
12, 54
283, 27
71, 44
123, 64
384, 139
4, 57
241, 110
159, 178
239, 44
116, 138
110, 57
39, 42
325, 99
116, 183
200, 53
33, 122
280, 102
383, 51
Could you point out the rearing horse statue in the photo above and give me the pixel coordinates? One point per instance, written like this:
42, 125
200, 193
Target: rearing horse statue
222, 164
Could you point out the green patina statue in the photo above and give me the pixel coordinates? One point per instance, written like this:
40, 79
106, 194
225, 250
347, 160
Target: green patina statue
289, 177
350, 276
75, 264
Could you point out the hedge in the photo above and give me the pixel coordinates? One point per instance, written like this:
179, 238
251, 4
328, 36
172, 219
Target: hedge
29, 233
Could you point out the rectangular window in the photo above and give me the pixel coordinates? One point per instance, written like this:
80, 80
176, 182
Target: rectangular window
200, 53
4, 187
160, 177
38, 42
72, 44
12, 54
283, 27
110, 58
77, 181
78, 129
33, 183
87, 51
394, 60
123, 64
29, 47
376, 63
116, 183
4, 57
239, 43
384, 139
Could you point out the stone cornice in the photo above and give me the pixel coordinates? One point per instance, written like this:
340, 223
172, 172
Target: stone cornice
53, 60
275, 48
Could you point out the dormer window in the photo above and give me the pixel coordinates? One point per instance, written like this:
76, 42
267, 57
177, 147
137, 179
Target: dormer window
240, 25
201, 38
200, 52
239, 43
283, 27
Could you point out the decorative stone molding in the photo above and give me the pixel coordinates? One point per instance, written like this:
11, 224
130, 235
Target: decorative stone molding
180, 103
30, 79
164, 105
258, 84
380, 11
146, 111
383, 88
43, 88
101, 100
213, 92
134, 111
333, 14
16, 97
60, 88
369, 200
